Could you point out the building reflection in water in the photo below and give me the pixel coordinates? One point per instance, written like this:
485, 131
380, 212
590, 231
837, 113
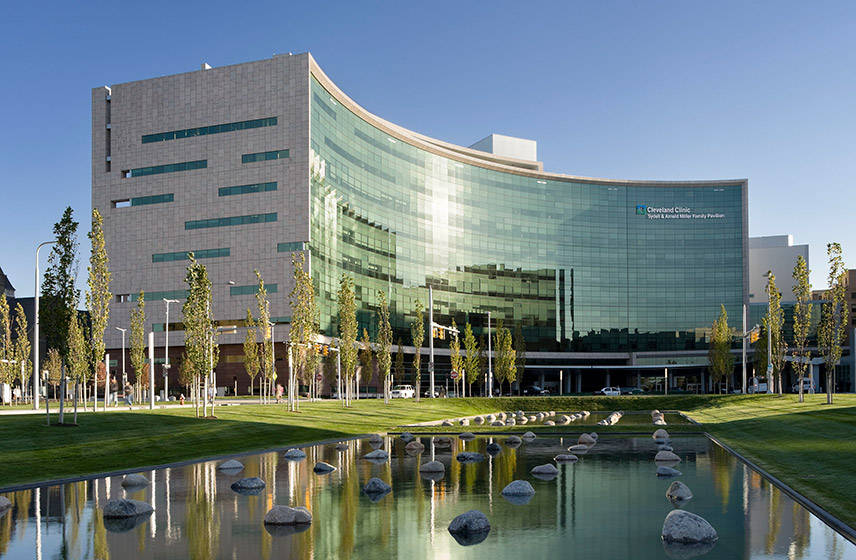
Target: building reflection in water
609, 499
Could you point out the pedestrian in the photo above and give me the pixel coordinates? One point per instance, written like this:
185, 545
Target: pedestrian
114, 390
181, 398
279, 391
129, 394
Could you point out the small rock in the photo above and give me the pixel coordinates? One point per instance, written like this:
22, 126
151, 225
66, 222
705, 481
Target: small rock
563, 458
375, 438
668, 471
119, 509
533, 418
377, 487
579, 448
470, 528
685, 527
134, 480
665, 448
323, 468
433, 467
529, 436
414, 447
493, 449
469, 457
521, 421
518, 488
4, 503
342, 447
231, 465
442, 442
549, 423
547, 469
654, 412
464, 422
519, 414
511, 422
447, 423
377, 455
478, 420
251, 483
678, 493
497, 423
593, 436
467, 436
666, 457
295, 454
661, 434
513, 440
489, 418
407, 436
586, 439
284, 515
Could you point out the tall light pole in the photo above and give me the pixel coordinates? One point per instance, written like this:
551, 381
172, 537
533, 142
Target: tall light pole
489, 362
36, 335
166, 350
124, 375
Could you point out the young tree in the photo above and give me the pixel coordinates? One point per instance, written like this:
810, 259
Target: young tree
98, 296
347, 332
471, 362
455, 356
22, 348
200, 337
329, 368
384, 342
417, 332
833, 319
506, 368
719, 352
78, 357
267, 358
520, 349
53, 365
399, 363
483, 363
59, 295
304, 326
775, 322
802, 321
138, 343
251, 351
366, 359
185, 376
7, 368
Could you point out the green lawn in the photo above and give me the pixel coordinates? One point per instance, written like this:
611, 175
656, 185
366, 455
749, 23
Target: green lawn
809, 446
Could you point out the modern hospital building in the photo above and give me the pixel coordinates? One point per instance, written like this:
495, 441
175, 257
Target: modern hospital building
610, 280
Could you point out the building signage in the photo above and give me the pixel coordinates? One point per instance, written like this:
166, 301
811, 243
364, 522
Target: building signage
675, 213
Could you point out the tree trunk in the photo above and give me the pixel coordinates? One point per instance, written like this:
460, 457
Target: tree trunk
62, 394
76, 387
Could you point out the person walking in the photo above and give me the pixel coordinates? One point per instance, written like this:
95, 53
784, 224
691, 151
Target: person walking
114, 391
129, 394
279, 391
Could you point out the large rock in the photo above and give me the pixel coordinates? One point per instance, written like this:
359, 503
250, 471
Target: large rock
295, 455
518, 488
547, 469
668, 471
433, 467
414, 447
284, 515
249, 486
377, 456
323, 468
376, 489
685, 551
134, 481
661, 434
528, 436
231, 465
666, 457
4, 503
493, 449
685, 527
678, 493
565, 458
513, 440
120, 509
470, 528
586, 439
469, 457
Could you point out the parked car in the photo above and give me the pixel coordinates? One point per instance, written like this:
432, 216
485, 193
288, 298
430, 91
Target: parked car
403, 392
609, 392
806, 382
631, 391
535, 390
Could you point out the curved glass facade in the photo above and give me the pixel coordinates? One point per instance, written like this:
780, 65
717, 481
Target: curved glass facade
583, 265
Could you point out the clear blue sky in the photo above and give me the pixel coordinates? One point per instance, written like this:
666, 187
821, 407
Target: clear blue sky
629, 90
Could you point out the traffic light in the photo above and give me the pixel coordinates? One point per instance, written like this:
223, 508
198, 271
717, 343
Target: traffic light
442, 334
753, 337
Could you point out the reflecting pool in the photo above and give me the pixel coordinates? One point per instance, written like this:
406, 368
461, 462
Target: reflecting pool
609, 504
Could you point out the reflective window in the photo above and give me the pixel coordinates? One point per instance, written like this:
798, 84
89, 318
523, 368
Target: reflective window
205, 130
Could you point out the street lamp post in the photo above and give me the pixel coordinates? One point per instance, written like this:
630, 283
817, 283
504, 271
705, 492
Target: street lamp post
36, 340
124, 375
166, 350
489, 362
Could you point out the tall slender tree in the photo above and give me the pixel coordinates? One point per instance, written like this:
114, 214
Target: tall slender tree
505, 364
98, 296
78, 357
520, 350
471, 361
384, 344
417, 332
22, 348
348, 332
251, 351
7, 368
833, 320
802, 321
775, 321
267, 357
53, 365
455, 356
304, 326
366, 359
719, 351
200, 337
399, 362
483, 363
138, 343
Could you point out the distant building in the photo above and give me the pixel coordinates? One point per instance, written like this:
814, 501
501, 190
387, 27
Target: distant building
7, 286
776, 253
